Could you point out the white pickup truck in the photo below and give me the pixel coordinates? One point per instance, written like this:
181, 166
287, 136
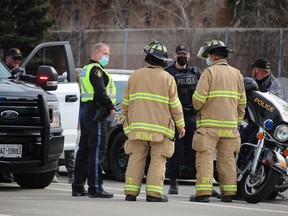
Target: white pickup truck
59, 55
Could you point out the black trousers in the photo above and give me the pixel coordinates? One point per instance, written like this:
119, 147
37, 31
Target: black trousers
248, 134
91, 151
183, 152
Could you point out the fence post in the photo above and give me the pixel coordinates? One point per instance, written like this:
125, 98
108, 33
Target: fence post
280, 53
79, 48
125, 48
226, 36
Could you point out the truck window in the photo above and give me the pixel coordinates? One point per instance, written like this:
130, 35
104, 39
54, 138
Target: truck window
4, 73
54, 56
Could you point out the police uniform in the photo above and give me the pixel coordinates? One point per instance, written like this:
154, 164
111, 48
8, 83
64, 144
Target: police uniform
248, 134
186, 80
221, 109
97, 91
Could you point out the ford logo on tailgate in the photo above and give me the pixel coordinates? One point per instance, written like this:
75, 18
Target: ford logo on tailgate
9, 114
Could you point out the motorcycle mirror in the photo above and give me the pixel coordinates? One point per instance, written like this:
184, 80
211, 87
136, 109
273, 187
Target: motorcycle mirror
268, 124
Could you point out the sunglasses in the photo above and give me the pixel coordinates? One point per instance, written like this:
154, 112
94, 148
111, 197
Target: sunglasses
17, 58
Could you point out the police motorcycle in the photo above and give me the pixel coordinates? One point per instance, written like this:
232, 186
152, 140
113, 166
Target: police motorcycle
262, 166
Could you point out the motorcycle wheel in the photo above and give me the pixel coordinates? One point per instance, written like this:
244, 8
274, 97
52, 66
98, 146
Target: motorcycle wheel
258, 187
273, 195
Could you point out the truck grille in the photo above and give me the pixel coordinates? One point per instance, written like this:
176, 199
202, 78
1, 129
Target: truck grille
25, 122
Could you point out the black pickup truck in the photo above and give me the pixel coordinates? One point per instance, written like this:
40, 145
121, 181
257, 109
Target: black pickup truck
31, 138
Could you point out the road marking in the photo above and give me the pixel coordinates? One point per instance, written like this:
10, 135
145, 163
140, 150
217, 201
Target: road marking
142, 196
239, 207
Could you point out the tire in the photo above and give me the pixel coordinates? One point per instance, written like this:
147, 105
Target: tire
273, 195
257, 188
118, 159
34, 180
278, 190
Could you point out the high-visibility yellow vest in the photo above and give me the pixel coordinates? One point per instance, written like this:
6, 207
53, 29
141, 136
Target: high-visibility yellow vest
87, 90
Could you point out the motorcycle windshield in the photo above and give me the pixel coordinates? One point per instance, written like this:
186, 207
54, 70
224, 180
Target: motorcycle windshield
279, 88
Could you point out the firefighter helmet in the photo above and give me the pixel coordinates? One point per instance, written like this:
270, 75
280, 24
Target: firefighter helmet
213, 45
158, 50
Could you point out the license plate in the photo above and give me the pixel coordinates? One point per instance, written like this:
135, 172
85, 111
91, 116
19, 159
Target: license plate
10, 151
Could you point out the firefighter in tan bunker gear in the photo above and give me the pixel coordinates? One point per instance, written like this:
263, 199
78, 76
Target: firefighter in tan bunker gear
220, 100
151, 109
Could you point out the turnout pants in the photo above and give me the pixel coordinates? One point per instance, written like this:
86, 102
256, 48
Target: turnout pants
205, 142
91, 151
138, 151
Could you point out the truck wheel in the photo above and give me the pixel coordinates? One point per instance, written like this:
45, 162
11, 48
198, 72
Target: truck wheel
34, 180
118, 158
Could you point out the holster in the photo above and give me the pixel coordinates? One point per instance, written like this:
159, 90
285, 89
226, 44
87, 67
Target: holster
101, 114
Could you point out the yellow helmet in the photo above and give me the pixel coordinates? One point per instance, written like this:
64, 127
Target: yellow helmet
158, 50
215, 44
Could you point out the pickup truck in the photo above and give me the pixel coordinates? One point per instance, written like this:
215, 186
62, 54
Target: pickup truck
31, 138
30, 144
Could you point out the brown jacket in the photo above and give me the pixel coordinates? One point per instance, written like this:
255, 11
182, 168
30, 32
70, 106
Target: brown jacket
220, 96
150, 105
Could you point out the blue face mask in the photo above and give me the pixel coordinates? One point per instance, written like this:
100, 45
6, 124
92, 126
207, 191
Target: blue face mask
104, 61
208, 62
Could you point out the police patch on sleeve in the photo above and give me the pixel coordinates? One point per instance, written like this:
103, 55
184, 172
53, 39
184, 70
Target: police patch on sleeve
98, 73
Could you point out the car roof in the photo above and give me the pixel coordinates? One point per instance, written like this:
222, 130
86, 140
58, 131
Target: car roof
119, 71
119, 77
119, 74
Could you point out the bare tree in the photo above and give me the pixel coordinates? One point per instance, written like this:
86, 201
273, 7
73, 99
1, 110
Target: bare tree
259, 13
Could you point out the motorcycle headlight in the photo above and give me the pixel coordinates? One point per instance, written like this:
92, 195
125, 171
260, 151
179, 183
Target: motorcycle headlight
281, 133
54, 114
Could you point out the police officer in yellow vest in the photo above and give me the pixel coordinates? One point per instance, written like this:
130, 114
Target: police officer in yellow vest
98, 93
220, 100
150, 109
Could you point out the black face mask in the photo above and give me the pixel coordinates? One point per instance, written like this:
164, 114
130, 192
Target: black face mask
182, 60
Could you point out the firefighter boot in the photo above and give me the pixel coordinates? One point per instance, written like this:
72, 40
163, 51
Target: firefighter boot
204, 198
173, 186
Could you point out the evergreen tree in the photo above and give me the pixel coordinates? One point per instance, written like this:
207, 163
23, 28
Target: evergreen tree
23, 23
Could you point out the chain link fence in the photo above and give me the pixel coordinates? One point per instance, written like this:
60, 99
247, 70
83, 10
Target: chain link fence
127, 45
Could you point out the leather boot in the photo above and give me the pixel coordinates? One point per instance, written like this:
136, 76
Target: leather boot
204, 198
164, 198
173, 186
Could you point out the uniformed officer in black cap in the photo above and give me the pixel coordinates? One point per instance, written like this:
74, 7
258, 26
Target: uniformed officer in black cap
186, 77
13, 58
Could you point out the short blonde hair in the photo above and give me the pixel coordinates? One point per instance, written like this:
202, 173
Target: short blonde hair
98, 46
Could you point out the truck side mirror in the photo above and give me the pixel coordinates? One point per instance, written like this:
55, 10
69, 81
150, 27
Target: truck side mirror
47, 78
16, 72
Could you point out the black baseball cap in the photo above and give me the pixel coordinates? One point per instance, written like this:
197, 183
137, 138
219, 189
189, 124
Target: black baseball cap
14, 52
182, 48
262, 63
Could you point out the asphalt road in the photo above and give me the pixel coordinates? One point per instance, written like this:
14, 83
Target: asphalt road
56, 200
